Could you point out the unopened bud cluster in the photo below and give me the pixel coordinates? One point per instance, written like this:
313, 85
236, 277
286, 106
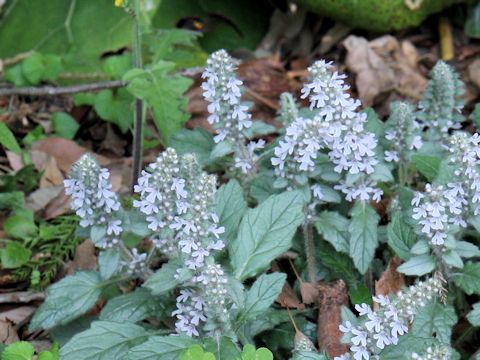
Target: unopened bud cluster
228, 115
93, 199
376, 330
177, 198
402, 132
288, 111
338, 128
442, 103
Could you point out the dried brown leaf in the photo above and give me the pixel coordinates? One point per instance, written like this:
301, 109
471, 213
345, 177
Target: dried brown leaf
65, 152
8, 334
309, 292
84, 258
51, 175
288, 298
40, 198
18, 315
15, 160
390, 281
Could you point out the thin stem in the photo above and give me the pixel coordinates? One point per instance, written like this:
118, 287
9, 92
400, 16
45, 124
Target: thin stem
62, 90
139, 115
309, 249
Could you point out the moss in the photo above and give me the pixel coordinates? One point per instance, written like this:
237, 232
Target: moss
377, 15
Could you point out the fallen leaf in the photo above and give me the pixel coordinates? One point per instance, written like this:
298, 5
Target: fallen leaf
383, 65
58, 206
40, 198
390, 281
8, 334
21, 297
474, 72
309, 292
18, 315
330, 301
84, 258
51, 174
15, 160
288, 298
65, 152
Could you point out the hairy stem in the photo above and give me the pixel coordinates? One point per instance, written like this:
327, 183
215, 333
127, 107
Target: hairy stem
139, 115
309, 249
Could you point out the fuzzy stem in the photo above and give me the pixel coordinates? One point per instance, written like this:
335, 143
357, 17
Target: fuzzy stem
139, 115
309, 249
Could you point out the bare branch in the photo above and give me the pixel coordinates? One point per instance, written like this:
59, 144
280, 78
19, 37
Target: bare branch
62, 90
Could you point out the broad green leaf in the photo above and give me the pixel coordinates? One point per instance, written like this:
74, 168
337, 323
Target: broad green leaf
340, 264
250, 353
196, 352
64, 125
14, 255
468, 279
164, 279
39, 67
163, 92
132, 307
363, 235
226, 348
230, 207
401, 236
474, 315
265, 233
8, 140
12, 200
259, 128
108, 262
104, 340
197, 141
220, 150
452, 258
427, 165
418, 265
407, 344
334, 228
261, 295
67, 299
19, 227
435, 319
71, 29
421, 247
116, 107
262, 187
20, 350
466, 249
161, 348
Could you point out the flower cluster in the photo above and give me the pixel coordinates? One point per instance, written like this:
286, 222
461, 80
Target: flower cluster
434, 353
288, 111
93, 199
228, 115
439, 206
441, 106
375, 330
177, 198
336, 127
402, 132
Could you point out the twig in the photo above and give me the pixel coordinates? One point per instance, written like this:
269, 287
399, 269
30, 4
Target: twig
62, 90
21, 297
17, 58
262, 99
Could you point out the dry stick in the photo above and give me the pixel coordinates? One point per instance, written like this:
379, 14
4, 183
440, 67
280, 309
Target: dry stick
62, 90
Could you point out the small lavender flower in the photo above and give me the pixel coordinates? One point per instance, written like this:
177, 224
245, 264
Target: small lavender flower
93, 199
336, 127
376, 330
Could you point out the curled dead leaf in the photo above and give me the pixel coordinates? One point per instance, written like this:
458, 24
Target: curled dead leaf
390, 281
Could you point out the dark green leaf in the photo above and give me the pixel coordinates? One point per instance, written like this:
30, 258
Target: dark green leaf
468, 279
14, 255
401, 236
418, 265
435, 319
230, 207
64, 125
427, 165
161, 348
334, 228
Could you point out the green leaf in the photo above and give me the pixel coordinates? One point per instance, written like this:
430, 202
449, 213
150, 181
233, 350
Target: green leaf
67, 299
104, 340
132, 307
225, 348
261, 295
452, 258
265, 233
108, 262
64, 125
116, 107
262, 187
363, 235
469, 278
474, 315
196, 352
33, 68
163, 92
12, 200
220, 150
197, 141
230, 207
421, 247
164, 279
161, 348
308, 355
407, 344
19, 227
435, 319
401, 236
418, 265
14, 255
20, 350
466, 249
71, 29
472, 24
427, 165
250, 353
334, 228
7, 139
